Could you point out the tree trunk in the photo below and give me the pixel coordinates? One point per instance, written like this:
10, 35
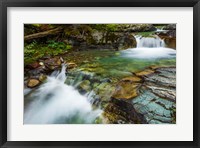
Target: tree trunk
43, 34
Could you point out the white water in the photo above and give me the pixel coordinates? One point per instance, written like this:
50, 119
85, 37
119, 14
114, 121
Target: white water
149, 48
149, 42
56, 102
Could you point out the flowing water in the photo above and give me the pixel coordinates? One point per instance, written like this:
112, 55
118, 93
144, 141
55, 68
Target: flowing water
57, 102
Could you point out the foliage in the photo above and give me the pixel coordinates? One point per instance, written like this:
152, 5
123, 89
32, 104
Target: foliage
34, 51
146, 34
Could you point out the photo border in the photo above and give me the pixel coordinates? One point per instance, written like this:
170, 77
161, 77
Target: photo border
99, 3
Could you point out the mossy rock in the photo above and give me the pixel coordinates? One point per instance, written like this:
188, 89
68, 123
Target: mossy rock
85, 85
126, 90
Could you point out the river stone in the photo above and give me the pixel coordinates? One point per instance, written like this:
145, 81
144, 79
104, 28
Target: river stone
53, 63
126, 90
132, 79
104, 90
33, 83
71, 65
85, 85
42, 77
145, 72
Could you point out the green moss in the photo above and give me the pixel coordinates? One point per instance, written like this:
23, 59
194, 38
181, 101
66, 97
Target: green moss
146, 34
35, 51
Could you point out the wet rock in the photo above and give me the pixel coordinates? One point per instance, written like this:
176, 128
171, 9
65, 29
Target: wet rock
53, 63
144, 73
122, 112
162, 77
132, 79
155, 109
36, 71
104, 90
71, 65
167, 34
151, 92
42, 77
33, 83
85, 86
126, 41
169, 37
126, 90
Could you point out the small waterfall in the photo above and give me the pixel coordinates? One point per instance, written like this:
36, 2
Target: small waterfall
149, 42
56, 102
149, 48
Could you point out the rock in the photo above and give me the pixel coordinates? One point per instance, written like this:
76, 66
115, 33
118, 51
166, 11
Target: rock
167, 34
41, 63
33, 83
170, 27
53, 63
71, 65
35, 65
126, 41
132, 79
144, 72
126, 90
162, 77
42, 77
122, 112
37, 71
156, 110
151, 92
85, 86
157, 97
169, 37
104, 90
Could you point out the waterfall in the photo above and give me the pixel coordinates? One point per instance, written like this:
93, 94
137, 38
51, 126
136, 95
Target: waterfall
149, 42
56, 102
149, 48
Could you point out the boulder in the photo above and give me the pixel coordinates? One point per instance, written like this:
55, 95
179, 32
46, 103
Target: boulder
33, 83
53, 63
122, 112
126, 41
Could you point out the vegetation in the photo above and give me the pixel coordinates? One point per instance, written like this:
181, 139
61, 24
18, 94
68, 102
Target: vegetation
35, 51
54, 39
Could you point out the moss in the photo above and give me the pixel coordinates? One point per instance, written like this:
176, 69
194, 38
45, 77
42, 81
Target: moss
146, 34
34, 51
